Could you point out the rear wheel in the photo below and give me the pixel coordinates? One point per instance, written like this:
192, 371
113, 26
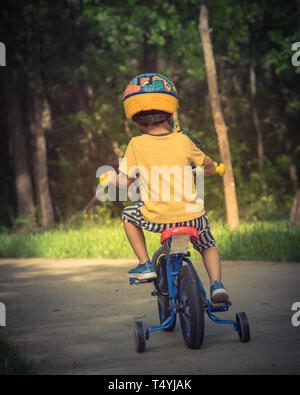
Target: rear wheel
161, 284
192, 307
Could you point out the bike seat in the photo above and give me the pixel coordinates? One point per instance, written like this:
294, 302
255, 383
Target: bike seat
179, 230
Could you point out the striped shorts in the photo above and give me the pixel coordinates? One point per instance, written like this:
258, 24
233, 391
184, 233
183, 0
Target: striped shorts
133, 214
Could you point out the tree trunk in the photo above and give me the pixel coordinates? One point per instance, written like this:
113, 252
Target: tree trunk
292, 168
260, 145
149, 64
40, 120
255, 118
298, 6
293, 175
295, 211
220, 126
24, 188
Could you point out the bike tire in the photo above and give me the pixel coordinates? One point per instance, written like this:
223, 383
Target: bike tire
161, 285
192, 307
139, 337
243, 327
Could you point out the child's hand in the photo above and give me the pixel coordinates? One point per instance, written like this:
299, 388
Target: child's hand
210, 169
120, 180
107, 178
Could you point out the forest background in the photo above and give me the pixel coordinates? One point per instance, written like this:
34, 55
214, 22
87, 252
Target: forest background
61, 114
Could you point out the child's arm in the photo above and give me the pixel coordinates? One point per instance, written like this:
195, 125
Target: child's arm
199, 158
209, 166
123, 180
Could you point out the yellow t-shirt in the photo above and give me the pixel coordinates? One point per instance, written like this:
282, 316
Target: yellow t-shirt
161, 162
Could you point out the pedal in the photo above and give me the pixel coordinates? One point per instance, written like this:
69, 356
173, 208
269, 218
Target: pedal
156, 293
137, 281
220, 306
226, 304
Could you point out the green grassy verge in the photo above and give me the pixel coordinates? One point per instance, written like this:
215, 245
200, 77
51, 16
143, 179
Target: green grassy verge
12, 361
272, 241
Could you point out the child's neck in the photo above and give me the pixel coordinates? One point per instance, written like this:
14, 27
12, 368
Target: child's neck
159, 129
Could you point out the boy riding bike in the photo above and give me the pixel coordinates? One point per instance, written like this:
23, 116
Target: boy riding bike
150, 99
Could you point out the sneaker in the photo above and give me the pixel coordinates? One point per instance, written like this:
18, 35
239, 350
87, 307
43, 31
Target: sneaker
142, 272
218, 293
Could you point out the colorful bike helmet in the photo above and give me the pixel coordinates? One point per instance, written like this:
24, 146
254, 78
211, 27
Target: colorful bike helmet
150, 91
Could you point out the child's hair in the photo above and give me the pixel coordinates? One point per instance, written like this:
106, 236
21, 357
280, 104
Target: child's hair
153, 117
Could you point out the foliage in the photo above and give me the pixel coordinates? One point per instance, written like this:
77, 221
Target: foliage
13, 361
91, 49
270, 241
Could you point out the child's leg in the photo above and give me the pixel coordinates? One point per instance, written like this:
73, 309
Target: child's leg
212, 263
137, 241
206, 246
133, 223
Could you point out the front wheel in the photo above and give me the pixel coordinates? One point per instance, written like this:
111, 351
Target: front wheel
192, 307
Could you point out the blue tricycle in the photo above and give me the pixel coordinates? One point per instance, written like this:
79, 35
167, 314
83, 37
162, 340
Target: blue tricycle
179, 290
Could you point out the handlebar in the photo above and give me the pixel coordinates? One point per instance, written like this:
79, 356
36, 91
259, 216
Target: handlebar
220, 170
103, 180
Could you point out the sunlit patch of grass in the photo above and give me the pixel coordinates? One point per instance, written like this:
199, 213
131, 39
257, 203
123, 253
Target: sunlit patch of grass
272, 241
261, 241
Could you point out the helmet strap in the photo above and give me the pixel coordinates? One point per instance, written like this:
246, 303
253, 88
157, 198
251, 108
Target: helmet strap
175, 126
194, 138
141, 129
178, 129
171, 122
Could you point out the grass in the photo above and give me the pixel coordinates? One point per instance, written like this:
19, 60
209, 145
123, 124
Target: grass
12, 361
272, 241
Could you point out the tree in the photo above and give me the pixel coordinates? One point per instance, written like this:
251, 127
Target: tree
79, 56
39, 121
18, 142
298, 6
149, 62
256, 121
220, 126
295, 210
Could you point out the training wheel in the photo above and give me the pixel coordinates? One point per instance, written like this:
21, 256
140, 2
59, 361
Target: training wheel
139, 337
243, 327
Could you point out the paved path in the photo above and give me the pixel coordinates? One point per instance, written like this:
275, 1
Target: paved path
75, 316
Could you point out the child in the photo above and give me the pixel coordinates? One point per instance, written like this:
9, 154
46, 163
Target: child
150, 99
